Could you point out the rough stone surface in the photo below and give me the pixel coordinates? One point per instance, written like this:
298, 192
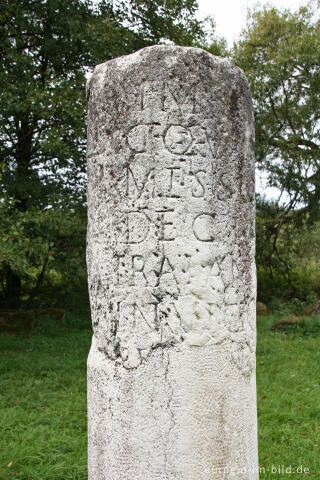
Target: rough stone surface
171, 371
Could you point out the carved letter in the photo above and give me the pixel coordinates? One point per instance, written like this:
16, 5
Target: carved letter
177, 139
138, 267
195, 191
202, 227
165, 269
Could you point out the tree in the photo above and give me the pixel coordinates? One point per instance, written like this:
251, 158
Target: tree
45, 250
280, 54
47, 47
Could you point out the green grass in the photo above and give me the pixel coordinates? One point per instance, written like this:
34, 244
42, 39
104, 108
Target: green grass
43, 401
288, 379
43, 404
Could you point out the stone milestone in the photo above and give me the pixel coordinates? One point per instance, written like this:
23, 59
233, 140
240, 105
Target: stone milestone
171, 370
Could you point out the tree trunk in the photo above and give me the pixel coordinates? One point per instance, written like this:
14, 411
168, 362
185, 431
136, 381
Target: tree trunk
13, 289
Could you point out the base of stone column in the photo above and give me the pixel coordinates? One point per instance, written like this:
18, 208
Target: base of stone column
186, 413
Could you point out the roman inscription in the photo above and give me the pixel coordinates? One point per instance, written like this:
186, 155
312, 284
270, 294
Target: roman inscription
203, 227
172, 217
199, 188
134, 187
177, 139
138, 264
171, 270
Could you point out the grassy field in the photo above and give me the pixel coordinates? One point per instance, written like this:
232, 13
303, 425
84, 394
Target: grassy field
43, 402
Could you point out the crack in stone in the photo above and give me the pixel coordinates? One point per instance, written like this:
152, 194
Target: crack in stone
169, 409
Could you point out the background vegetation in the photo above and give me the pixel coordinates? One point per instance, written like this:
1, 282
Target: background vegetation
279, 51
48, 47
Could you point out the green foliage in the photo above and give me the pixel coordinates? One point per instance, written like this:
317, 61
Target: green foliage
17, 321
294, 306
280, 54
288, 258
44, 50
307, 326
157, 21
45, 250
213, 44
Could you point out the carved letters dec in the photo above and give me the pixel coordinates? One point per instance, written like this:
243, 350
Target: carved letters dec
169, 295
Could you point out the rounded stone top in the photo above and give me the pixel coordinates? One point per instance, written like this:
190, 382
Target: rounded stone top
163, 59
165, 52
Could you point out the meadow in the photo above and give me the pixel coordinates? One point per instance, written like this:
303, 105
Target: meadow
43, 401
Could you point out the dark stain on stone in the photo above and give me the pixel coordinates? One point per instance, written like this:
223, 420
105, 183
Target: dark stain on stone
235, 112
234, 107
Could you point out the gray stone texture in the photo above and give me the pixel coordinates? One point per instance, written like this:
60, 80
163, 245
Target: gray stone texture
171, 370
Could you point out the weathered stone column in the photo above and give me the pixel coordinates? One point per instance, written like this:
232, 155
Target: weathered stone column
171, 370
